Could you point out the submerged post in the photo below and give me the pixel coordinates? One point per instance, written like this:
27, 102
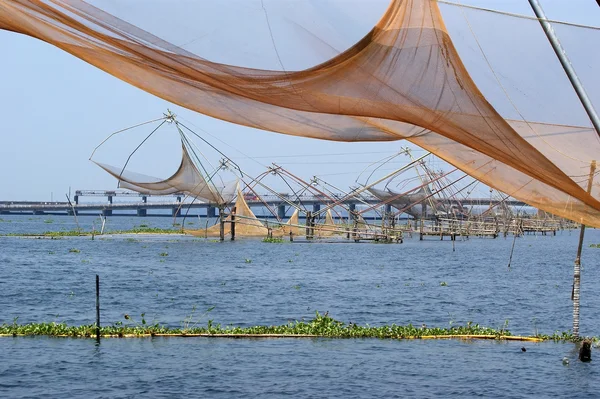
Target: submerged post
577, 266
566, 64
97, 308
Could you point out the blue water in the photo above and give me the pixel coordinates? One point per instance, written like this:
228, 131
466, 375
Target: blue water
249, 282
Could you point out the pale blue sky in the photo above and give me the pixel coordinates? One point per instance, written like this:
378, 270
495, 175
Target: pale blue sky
57, 108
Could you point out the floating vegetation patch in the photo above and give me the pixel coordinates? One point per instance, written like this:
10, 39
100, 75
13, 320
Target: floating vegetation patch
320, 326
443, 284
48, 221
248, 260
163, 254
594, 245
74, 250
276, 240
76, 233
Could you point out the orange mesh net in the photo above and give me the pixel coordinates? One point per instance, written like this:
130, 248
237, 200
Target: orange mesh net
246, 223
403, 80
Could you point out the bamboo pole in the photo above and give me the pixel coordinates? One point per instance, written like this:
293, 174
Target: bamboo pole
233, 223
97, 308
577, 267
221, 223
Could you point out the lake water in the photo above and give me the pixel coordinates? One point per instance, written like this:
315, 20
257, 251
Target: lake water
175, 279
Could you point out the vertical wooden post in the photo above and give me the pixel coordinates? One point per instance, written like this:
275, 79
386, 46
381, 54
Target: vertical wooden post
308, 225
355, 227
221, 223
577, 266
233, 223
97, 308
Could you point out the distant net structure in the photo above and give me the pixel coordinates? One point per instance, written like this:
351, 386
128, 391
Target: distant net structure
482, 91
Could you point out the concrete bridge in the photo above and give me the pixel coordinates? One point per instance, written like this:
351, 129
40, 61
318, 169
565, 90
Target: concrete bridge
140, 204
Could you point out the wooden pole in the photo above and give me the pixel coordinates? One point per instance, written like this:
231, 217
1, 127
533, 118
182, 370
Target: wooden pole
97, 308
577, 267
233, 223
308, 222
221, 223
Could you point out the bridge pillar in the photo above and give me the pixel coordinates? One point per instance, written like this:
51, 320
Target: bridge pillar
316, 207
143, 211
176, 211
210, 212
69, 212
110, 199
76, 199
388, 208
36, 212
281, 211
178, 199
107, 212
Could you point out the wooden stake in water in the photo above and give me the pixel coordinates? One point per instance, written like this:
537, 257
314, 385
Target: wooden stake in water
221, 223
577, 267
233, 223
97, 308
103, 217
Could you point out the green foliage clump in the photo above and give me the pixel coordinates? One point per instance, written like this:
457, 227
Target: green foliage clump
319, 326
274, 240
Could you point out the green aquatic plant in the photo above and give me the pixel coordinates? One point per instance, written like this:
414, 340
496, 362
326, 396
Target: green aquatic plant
74, 250
273, 240
248, 260
188, 323
319, 326
76, 233
48, 221
443, 284
163, 254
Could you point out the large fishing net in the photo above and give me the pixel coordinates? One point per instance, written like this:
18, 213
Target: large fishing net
404, 79
187, 180
246, 223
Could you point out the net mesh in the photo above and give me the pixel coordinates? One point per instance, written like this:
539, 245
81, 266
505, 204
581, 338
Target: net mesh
403, 80
246, 223
187, 179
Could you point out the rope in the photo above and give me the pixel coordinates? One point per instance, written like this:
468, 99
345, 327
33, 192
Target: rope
515, 15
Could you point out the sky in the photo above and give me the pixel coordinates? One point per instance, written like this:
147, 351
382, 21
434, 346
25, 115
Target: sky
57, 109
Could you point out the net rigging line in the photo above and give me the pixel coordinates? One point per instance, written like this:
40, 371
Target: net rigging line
515, 15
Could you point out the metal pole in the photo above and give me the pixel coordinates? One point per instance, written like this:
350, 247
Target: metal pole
566, 64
